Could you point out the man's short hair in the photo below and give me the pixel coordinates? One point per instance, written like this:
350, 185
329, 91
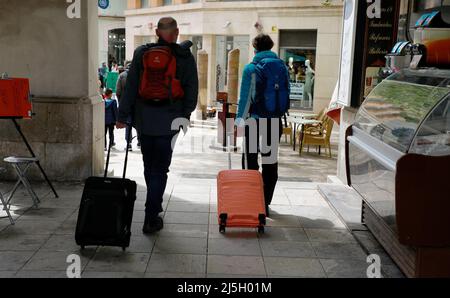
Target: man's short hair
167, 23
263, 42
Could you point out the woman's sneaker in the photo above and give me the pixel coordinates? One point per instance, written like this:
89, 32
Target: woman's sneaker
153, 225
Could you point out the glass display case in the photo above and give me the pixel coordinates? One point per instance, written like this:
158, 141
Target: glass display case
404, 120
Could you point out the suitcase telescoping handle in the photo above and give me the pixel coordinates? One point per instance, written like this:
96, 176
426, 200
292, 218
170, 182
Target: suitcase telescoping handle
129, 139
230, 136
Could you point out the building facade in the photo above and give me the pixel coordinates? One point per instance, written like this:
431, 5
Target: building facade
111, 22
302, 30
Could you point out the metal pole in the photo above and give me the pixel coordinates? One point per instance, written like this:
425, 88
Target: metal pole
34, 156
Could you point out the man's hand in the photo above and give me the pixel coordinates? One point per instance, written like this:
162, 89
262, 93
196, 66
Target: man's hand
121, 125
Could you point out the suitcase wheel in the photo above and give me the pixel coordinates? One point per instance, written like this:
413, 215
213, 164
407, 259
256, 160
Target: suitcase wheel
222, 229
261, 230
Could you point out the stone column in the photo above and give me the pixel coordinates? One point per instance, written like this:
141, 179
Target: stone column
60, 57
233, 78
209, 45
202, 65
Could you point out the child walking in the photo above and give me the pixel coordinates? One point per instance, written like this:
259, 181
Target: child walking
111, 113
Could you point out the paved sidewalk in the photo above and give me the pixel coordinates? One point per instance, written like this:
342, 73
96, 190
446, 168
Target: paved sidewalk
304, 238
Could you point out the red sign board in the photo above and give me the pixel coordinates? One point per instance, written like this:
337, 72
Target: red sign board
15, 98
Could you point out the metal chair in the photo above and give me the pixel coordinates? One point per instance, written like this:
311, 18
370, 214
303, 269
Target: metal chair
5, 206
21, 165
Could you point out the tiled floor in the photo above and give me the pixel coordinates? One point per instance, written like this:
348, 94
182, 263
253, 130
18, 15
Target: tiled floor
304, 237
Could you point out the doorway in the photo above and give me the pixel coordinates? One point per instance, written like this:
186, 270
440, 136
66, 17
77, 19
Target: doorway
116, 47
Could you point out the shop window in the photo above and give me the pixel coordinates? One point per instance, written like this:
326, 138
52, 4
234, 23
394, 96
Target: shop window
298, 50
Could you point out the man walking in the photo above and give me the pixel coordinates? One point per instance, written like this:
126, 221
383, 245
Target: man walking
120, 90
162, 86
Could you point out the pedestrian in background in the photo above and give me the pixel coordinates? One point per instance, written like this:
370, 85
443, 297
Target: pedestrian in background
120, 90
111, 116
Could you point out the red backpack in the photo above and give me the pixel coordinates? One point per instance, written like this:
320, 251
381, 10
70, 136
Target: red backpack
158, 78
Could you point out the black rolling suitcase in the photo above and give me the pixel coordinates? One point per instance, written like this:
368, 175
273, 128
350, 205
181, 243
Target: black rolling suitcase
106, 210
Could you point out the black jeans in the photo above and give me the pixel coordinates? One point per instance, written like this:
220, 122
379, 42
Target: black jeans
157, 154
270, 165
109, 129
129, 130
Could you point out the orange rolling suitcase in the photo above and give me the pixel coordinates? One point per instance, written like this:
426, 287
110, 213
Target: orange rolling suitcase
241, 202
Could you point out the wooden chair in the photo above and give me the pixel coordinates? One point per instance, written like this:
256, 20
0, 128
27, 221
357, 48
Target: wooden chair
288, 132
317, 127
320, 138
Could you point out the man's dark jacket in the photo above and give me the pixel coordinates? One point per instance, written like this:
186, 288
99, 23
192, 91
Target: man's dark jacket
152, 119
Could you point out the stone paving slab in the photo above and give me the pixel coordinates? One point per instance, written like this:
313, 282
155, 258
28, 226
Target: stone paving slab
114, 260
344, 268
287, 249
184, 230
14, 260
181, 245
244, 265
234, 247
294, 267
177, 263
56, 261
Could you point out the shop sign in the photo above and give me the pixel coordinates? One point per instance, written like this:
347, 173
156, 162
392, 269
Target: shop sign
103, 4
366, 41
297, 91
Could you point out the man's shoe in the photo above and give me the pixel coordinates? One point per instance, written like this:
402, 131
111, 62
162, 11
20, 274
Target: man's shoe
153, 226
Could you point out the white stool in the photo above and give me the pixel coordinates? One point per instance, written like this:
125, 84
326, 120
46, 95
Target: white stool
21, 165
5, 206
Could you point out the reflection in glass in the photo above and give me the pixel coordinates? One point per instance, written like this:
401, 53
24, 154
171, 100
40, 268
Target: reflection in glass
394, 110
433, 137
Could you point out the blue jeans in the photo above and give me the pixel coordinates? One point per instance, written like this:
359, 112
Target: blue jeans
157, 154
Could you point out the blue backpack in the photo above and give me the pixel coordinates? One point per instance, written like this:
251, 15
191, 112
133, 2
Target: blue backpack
272, 99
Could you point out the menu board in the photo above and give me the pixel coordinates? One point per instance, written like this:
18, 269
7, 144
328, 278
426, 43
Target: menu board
366, 41
15, 98
381, 37
382, 34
